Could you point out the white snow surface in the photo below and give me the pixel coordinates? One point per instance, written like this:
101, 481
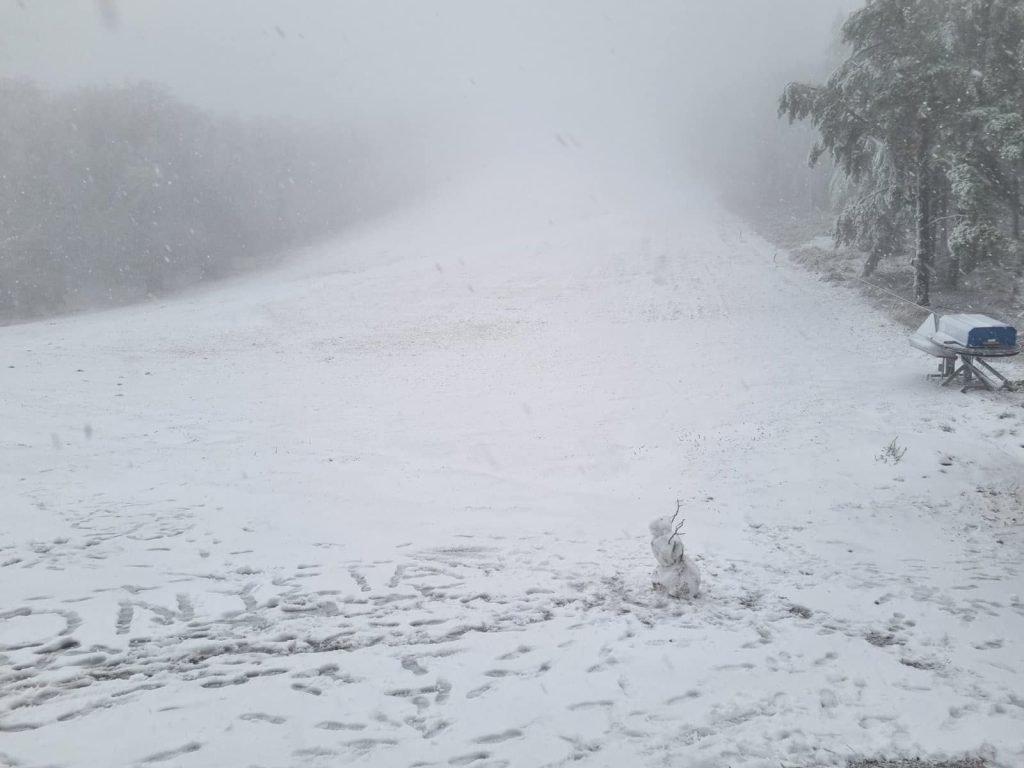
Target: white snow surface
387, 506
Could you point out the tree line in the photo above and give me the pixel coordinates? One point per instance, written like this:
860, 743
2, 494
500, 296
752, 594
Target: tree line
112, 195
923, 119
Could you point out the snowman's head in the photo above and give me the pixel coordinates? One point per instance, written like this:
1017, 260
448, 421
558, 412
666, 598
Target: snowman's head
661, 527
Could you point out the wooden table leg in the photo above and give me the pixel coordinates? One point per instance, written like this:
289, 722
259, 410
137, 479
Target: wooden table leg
971, 373
1007, 384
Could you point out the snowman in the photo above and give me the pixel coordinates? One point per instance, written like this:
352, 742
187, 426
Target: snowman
676, 574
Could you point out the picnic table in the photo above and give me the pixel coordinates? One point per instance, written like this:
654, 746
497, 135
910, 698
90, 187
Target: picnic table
967, 363
974, 370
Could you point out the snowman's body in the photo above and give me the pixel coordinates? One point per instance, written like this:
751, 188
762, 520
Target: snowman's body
676, 574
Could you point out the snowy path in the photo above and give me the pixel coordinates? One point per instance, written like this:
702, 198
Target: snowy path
396, 515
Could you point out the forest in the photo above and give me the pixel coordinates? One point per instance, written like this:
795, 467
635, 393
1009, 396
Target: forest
115, 194
922, 123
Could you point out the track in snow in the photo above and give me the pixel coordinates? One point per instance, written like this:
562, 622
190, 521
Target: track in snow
396, 514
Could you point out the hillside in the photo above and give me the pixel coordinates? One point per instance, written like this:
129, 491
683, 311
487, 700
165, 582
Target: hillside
387, 505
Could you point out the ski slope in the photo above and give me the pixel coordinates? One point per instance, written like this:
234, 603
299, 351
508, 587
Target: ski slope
387, 505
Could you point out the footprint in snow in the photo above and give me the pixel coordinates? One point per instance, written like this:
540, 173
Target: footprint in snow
591, 705
413, 665
497, 738
260, 717
472, 757
170, 754
331, 725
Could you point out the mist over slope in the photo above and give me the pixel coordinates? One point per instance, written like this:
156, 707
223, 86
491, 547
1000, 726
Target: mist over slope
124, 192
430, 88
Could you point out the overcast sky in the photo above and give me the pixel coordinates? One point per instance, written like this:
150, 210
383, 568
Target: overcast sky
609, 70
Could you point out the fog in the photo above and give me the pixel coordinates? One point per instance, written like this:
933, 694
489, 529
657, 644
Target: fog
661, 80
274, 124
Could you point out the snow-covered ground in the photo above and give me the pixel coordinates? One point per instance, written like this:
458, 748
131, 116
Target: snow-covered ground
388, 506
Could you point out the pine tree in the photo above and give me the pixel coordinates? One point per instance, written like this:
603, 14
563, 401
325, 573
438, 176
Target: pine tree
925, 119
873, 212
991, 33
882, 117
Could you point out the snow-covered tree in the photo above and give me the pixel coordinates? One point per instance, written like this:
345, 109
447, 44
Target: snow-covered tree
924, 120
886, 106
988, 155
114, 194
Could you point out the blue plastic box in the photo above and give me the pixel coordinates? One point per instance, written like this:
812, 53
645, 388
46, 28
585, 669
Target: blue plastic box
978, 331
